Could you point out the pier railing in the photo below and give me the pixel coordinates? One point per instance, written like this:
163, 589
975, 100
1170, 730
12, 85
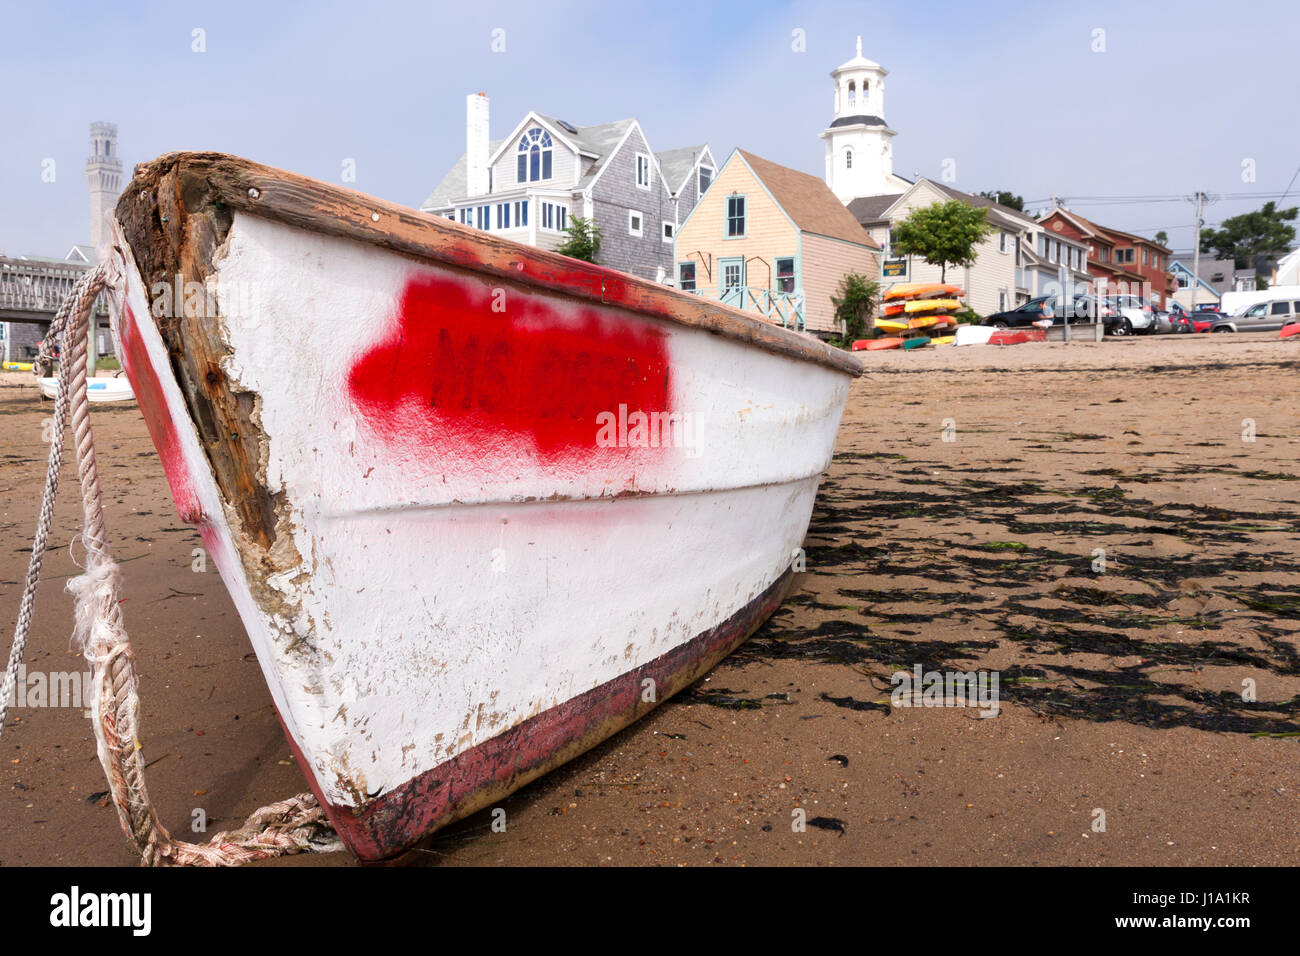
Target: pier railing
39, 286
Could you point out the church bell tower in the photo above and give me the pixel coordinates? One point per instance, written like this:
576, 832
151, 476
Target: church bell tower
859, 145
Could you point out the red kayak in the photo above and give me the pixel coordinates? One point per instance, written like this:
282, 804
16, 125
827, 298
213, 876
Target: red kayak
1018, 336
1289, 330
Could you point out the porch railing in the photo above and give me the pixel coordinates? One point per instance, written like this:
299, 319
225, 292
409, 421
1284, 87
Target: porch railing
784, 307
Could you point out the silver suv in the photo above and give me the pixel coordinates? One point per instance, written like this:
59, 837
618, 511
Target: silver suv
1261, 317
1136, 314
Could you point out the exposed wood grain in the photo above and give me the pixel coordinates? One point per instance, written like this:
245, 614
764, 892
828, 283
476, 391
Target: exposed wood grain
174, 224
230, 182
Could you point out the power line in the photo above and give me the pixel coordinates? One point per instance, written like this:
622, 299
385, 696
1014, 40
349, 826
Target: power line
1165, 197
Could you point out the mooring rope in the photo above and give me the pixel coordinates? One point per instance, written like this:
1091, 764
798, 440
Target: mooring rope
296, 825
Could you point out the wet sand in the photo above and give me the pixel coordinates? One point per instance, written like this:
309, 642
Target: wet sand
1120, 691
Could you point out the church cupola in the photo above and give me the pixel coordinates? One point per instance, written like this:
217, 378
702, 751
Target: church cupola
859, 149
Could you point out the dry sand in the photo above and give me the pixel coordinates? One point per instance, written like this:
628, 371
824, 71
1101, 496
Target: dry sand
1120, 691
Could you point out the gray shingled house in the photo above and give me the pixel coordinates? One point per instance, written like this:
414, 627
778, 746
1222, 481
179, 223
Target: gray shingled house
526, 186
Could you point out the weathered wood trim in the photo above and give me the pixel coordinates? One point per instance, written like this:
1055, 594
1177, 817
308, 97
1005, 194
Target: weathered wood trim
221, 182
174, 227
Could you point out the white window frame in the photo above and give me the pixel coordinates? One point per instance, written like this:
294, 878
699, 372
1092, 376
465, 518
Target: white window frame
637, 231
670, 231
550, 219
649, 171
712, 173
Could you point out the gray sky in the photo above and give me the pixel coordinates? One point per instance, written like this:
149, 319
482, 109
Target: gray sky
1013, 93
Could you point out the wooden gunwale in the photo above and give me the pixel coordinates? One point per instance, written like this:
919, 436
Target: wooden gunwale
317, 206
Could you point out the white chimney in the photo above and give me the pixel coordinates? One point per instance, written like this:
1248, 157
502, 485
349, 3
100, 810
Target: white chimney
476, 144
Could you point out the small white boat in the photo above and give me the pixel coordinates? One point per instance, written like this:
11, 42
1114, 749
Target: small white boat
97, 389
479, 505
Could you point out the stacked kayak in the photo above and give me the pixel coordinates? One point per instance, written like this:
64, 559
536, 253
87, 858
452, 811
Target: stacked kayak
919, 313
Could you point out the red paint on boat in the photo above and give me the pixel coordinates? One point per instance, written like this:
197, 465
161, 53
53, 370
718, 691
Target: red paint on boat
1289, 330
456, 376
153, 406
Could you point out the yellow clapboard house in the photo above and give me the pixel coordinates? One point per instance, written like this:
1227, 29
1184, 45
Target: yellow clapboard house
771, 239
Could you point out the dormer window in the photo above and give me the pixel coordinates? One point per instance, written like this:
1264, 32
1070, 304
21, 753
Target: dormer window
534, 159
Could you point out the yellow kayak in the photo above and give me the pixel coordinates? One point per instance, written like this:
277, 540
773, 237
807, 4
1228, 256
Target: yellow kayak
912, 290
18, 366
933, 305
943, 340
892, 325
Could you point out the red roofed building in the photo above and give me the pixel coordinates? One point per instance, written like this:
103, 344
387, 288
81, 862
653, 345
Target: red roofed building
1120, 262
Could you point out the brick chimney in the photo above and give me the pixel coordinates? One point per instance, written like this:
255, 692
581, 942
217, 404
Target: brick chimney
477, 181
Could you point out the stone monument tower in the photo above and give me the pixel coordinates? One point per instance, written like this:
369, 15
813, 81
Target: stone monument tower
104, 174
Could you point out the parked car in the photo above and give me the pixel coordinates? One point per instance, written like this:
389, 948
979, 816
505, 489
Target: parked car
1178, 318
1035, 310
1204, 318
1096, 309
1261, 317
1121, 314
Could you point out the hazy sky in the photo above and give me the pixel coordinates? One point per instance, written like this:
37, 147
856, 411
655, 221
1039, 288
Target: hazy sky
1013, 93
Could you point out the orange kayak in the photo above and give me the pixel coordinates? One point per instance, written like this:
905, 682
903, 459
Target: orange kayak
929, 321
875, 345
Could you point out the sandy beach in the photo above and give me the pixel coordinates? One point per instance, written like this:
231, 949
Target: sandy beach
1110, 527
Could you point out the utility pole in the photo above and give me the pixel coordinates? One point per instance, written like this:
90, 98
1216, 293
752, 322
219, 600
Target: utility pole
1196, 249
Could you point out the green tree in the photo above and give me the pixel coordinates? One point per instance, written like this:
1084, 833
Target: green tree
943, 234
1263, 232
1004, 197
583, 240
855, 302
1162, 237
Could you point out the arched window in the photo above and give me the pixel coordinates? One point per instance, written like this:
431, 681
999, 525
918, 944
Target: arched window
853, 96
534, 159
848, 159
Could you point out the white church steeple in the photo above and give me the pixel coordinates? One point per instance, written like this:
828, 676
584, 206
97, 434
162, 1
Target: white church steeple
859, 147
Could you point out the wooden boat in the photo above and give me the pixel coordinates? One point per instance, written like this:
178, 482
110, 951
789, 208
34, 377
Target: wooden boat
97, 389
479, 505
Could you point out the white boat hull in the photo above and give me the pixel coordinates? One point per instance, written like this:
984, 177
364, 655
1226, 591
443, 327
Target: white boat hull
474, 576
97, 389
